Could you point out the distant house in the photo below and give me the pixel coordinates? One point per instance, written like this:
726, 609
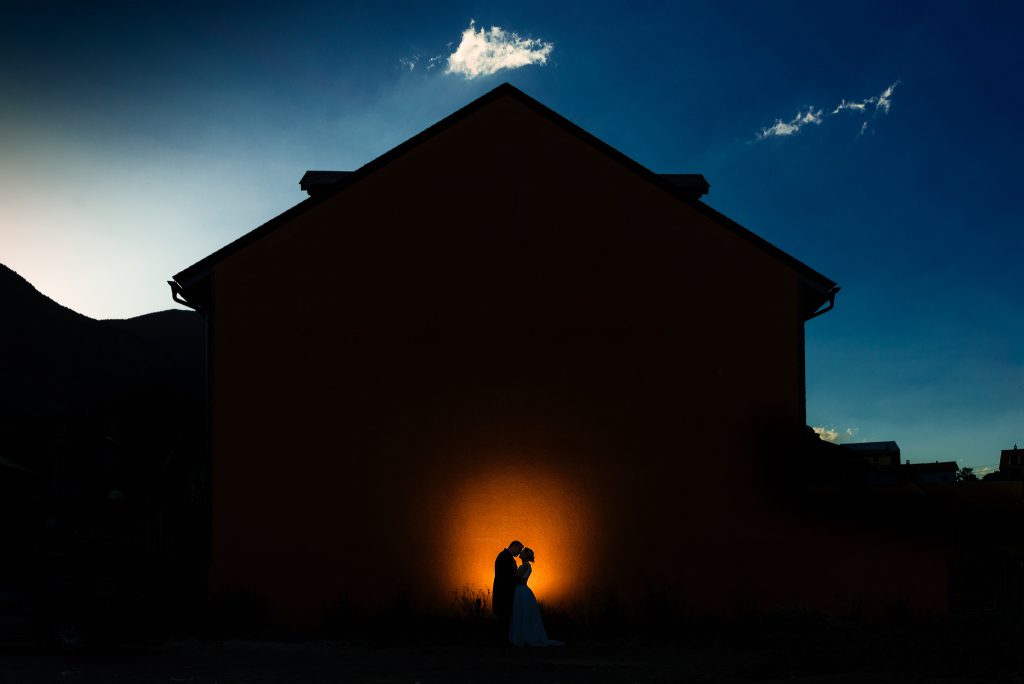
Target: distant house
882, 460
939, 472
504, 328
1011, 463
885, 457
883, 454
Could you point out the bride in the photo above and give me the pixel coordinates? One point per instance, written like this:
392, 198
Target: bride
527, 628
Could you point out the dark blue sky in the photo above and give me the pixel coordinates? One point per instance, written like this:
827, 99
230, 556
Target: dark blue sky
134, 141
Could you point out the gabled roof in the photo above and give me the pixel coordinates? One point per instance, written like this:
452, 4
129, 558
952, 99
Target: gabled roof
196, 273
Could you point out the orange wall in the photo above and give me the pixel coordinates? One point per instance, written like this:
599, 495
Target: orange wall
502, 334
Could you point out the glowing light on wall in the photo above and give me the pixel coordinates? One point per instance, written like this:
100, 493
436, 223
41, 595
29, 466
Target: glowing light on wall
539, 506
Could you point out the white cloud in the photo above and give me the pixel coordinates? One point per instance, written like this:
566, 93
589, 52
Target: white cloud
985, 470
831, 434
486, 51
409, 62
827, 434
882, 104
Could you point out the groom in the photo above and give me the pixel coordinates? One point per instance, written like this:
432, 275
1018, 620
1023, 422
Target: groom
504, 587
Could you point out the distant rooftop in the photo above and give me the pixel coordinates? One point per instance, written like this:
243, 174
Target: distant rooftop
874, 446
690, 185
937, 466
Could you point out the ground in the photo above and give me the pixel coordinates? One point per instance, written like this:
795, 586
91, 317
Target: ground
327, 662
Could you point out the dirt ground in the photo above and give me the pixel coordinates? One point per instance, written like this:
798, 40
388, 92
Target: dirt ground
325, 662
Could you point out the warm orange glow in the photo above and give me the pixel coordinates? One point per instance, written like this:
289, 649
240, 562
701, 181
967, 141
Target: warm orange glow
544, 509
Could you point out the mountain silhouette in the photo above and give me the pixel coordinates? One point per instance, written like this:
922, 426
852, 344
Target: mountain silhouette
102, 460
58, 365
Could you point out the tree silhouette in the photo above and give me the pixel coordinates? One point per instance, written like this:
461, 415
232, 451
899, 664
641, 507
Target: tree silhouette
966, 474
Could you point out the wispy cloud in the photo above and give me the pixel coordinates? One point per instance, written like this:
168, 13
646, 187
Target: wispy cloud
855, 106
885, 99
875, 105
486, 51
781, 129
831, 434
409, 62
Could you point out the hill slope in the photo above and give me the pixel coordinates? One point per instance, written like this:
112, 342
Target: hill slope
57, 363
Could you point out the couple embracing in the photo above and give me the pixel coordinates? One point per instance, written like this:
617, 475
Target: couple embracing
513, 602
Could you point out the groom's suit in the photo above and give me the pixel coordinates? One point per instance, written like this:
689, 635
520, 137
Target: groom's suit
504, 588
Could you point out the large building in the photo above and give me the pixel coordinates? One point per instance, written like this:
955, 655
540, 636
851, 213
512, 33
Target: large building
504, 328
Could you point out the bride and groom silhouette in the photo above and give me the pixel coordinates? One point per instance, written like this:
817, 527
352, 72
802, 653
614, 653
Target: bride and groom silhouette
513, 602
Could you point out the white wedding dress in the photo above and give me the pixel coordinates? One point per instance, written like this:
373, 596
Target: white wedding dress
526, 627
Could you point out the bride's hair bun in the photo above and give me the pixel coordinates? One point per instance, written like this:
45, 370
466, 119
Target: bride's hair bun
527, 554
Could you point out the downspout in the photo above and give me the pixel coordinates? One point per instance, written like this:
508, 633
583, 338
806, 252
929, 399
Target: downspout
831, 295
178, 295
